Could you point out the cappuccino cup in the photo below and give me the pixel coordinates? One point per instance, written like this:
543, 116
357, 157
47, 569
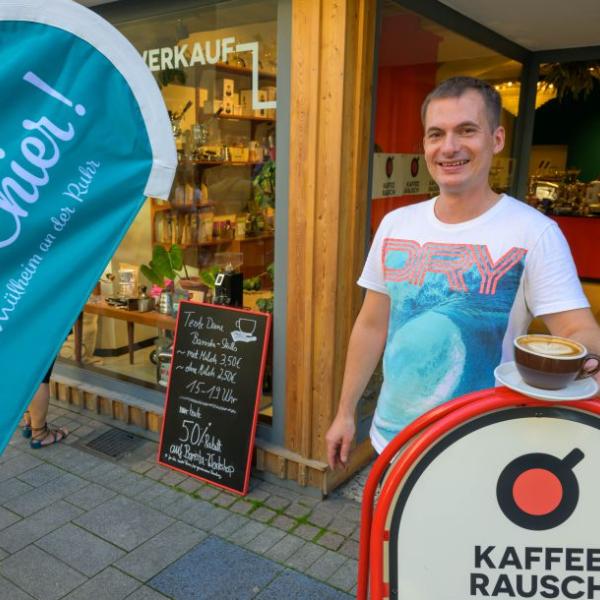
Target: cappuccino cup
551, 362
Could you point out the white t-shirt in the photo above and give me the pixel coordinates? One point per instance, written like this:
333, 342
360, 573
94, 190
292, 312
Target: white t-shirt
459, 295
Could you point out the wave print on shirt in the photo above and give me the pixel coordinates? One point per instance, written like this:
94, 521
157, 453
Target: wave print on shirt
445, 332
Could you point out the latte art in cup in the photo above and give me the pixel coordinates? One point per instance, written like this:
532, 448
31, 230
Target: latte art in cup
550, 346
551, 362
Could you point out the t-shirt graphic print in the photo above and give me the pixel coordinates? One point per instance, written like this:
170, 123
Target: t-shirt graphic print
449, 312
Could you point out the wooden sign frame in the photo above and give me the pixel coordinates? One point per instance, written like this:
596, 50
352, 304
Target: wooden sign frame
171, 403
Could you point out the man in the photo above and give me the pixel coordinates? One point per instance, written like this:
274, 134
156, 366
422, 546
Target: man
453, 280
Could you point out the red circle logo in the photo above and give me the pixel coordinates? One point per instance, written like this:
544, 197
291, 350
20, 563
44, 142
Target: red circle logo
414, 166
389, 166
539, 491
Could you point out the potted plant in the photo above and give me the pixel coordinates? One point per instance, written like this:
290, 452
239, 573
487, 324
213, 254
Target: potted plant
263, 198
164, 269
266, 304
264, 186
164, 266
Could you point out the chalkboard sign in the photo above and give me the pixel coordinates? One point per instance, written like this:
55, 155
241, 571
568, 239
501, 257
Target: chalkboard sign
214, 391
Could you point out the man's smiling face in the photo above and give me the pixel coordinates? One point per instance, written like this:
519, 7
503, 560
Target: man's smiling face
459, 143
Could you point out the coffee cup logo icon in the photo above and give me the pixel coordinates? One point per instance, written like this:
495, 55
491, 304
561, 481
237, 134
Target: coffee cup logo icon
247, 326
245, 330
389, 166
414, 166
539, 491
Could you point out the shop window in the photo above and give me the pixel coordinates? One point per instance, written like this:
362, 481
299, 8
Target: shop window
216, 67
415, 54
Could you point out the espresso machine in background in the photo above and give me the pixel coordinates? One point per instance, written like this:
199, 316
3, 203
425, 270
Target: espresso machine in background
229, 281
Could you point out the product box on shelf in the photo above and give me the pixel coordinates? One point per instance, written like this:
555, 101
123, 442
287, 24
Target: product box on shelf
246, 102
225, 89
271, 92
202, 96
262, 97
227, 108
238, 154
224, 227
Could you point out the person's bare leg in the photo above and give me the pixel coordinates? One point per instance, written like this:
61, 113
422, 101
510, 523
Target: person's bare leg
38, 413
38, 407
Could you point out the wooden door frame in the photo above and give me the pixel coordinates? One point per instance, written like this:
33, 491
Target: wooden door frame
332, 62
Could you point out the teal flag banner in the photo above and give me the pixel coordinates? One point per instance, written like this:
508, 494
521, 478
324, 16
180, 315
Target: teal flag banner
84, 139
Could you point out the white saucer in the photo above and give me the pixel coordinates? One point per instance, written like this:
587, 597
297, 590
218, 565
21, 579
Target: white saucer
580, 389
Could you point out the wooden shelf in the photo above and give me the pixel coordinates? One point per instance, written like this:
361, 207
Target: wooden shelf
244, 71
183, 207
227, 163
246, 118
221, 242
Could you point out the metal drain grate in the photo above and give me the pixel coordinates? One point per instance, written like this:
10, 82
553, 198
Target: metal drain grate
115, 443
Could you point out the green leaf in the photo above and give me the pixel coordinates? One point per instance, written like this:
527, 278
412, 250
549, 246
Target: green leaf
151, 276
265, 304
161, 263
209, 275
176, 256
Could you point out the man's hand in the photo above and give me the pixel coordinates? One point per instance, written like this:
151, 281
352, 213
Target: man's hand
339, 438
578, 324
364, 351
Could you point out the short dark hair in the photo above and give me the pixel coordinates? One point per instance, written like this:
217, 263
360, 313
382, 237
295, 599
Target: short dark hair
455, 87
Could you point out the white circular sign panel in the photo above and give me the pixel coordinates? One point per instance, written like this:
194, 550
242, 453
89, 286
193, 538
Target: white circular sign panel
505, 506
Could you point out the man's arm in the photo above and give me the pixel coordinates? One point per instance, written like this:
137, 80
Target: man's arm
578, 324
364, 351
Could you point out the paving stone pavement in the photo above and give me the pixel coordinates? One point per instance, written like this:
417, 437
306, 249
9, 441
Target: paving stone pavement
78, 526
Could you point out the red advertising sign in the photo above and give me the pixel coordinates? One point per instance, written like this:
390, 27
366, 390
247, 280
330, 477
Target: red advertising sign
497, 498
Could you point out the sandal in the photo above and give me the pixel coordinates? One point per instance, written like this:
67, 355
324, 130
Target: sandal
26, 430
48, 436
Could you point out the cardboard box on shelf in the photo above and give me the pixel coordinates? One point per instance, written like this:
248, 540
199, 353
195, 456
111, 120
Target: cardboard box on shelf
202, 96
226, 88
271, 92
262, 97
227, 108
238, 154
246, 102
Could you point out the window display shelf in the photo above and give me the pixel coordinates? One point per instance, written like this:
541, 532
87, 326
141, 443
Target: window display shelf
247, 118
222, 241
183, 207
234, 70
225, 163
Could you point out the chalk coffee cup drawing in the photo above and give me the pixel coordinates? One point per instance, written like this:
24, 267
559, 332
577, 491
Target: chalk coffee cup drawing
551, 362
247, 326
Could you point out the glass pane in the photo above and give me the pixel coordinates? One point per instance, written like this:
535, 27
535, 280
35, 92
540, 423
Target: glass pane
216, 67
